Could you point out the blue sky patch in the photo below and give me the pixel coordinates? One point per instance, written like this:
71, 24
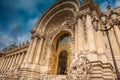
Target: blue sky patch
18, 17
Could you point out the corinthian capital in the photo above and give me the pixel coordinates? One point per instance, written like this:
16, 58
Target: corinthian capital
38, 35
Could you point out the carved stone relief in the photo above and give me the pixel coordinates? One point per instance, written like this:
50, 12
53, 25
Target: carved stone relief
80, 68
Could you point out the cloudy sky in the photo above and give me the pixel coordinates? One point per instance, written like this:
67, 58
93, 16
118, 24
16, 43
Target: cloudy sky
17, 18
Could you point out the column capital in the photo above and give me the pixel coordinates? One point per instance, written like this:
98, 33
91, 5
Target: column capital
78, 15
38, 35
83, 13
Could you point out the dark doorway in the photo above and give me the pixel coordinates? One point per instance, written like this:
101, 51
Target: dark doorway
62, 63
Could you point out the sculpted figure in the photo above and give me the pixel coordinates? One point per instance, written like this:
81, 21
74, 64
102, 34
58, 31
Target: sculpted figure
80, 68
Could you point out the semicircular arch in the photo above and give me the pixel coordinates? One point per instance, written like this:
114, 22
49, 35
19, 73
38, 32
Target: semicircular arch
58, 18
67, 4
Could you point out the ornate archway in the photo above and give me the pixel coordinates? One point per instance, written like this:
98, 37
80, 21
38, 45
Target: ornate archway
61, 54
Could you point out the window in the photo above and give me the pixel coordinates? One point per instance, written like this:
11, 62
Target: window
62, 63
63, 40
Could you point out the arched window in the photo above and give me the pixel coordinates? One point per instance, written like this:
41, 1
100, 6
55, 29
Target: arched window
63, 40
62, 63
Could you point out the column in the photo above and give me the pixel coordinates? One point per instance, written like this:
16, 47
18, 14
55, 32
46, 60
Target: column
5, 68
80, 36
11, 58
18, 57
21, 58
90, 34
85, 36
39, 50
13, 61
2, 66
17, 61
30, 57
28, 51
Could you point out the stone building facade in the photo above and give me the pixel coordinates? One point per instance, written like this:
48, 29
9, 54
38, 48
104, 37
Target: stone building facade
64, 46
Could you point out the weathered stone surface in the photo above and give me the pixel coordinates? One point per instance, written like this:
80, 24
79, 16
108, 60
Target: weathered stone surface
65, 27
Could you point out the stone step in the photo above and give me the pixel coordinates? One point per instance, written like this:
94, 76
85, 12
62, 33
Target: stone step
53, 77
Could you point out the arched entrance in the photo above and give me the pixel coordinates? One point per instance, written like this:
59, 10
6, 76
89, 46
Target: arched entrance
61, 54
62, 63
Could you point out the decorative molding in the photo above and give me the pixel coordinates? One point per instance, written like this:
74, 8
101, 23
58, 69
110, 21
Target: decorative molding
38, 35
69, 24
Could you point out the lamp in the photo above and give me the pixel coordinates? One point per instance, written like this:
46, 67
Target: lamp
113, 16
103, 18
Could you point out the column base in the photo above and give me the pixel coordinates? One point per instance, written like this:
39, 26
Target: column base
29, 71
98, 71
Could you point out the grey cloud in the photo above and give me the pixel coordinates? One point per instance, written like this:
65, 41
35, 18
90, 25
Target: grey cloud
18, 17
6, 39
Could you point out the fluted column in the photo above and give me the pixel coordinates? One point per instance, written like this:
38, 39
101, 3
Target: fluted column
6, 66
2, 67
90, 34
39, 50
6, 63
18, 57
21, 58
28, 51
80, 36
30, 58
13, 61
17, 60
